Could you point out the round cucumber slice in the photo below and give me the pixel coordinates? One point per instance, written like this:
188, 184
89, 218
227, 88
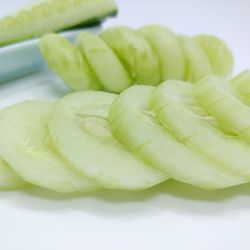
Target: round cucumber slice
80, 131
26, 146
176, 109
104, 62
197, 63
9, 179
241, 84
135, 53
218, 53
134, 124
63, 58
167, 47
217, 97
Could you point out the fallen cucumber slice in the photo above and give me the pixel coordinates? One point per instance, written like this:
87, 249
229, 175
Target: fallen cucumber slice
63, 58
80, 131
218, 53
9, 179
217, 97
241, 84
51, 15
135, 53
176, 109
26, 146
197, 63
104, 62
134, 124
167, 47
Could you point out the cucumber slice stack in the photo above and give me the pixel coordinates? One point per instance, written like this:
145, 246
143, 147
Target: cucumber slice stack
194, 133
120, 56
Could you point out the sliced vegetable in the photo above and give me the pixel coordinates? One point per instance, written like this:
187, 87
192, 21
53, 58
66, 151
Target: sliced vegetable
63, 58
167, 47
25, 144
176, 109
52, 15
135, 53
218, 53
104, 62
80, 132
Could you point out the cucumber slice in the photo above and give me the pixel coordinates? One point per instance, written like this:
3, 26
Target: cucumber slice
104, 62
52, 15
63, 58
167, 47
135, 53
217, 97
197, 63
135, 125
218, 53
176, 109
241, 84
80, 130
9, 179
26, 146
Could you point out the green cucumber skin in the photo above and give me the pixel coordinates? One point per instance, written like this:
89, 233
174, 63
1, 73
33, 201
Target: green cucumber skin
51, 15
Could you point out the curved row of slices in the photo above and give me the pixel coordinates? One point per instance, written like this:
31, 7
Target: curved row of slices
194, 133
120, 56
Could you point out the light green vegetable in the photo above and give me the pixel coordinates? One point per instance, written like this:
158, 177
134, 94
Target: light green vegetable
80, 132
135, 125
63, 58
52, 15
9, 179
26, 146
104, 62
178, 111
197, 63
219, 55
135, 53
217, 96
167, 47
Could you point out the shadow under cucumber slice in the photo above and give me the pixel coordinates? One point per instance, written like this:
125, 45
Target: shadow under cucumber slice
134, 123
80, 131
26, 146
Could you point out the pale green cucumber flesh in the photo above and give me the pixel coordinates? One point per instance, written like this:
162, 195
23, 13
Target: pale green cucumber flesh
174, 110
104, 62
80, 131
135, 53
197, 63
134, 124
218, 53
51, 15
64, 59
217, 96
25, 144
9, 179
167, 47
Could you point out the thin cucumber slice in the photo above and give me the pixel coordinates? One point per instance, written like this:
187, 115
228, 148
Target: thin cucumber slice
104, 62
26, 146
217, 97
218, 53
135, 53
63, 58
167, 47
9, 179
241, 84
80, 131
197, 63
176, 109
134, 124
51, 15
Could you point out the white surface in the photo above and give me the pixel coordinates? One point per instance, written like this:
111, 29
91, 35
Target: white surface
171, 216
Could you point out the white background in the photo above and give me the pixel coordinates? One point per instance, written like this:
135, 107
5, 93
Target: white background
171, 216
